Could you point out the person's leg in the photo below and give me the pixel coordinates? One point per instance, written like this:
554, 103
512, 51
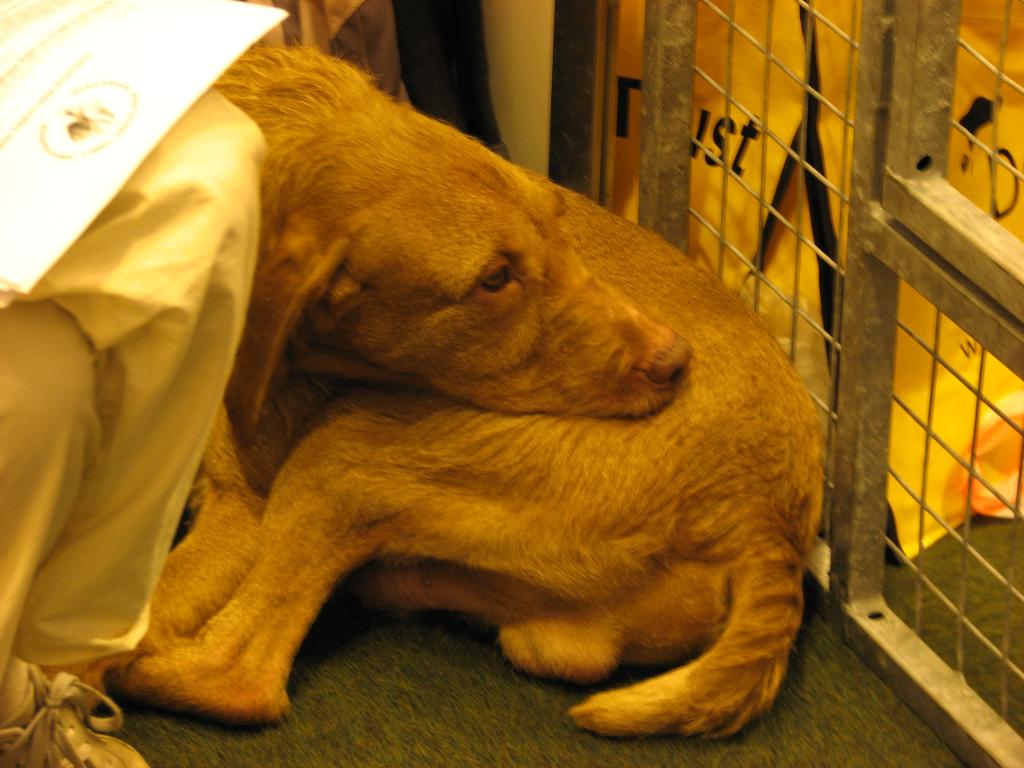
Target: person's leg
49, 433
49, 438
15, 691
115, 367
173, 265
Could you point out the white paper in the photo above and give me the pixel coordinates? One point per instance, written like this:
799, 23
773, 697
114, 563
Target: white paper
87, 89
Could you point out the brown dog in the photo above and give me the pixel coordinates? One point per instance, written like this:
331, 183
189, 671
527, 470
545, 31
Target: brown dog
397, 250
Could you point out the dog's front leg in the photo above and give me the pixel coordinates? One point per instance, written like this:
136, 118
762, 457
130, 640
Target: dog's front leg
236, 667
198, 579
205, 569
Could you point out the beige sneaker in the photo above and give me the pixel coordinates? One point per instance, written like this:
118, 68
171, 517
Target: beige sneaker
60, 729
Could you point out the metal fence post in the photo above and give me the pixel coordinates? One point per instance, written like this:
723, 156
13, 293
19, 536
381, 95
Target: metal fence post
669, 39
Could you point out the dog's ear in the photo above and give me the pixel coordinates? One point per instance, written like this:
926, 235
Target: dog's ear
296, 269
554, 198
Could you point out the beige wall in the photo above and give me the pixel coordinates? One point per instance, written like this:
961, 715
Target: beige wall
519, 36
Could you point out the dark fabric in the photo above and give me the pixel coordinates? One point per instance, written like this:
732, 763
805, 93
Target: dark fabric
820, 208
444, 64
360, 31
822, 221
368, 40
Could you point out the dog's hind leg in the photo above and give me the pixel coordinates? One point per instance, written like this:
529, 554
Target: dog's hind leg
580, 646
433, 585
538, 633
735, 679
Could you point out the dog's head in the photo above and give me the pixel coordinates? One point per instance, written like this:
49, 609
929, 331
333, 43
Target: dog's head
422, 257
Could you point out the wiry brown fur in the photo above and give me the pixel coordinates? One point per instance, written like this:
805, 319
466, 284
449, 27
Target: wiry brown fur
378, 227
588, 542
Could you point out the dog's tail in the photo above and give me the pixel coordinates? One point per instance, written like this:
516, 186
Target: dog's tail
735, 679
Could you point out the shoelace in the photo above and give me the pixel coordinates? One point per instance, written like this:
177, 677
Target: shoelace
45, 735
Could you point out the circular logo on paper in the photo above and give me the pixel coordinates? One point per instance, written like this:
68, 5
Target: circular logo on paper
88, 119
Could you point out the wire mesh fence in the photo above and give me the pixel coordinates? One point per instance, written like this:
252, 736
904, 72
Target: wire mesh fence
956, 451
901, 309
988, 106
957, 472
769, 194
859, 184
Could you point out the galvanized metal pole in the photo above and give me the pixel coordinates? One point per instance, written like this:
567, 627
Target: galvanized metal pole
669, 38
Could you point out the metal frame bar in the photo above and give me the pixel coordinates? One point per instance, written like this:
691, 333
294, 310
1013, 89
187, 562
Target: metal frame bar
922, 84
979, 248
907, 222
862, 441
578, 88
670, 28
868, 321
999, 331
927, 684
939, 694
915, 190
608, 28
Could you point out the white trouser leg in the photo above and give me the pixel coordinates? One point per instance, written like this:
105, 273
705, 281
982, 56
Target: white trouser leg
49, 433
131, 340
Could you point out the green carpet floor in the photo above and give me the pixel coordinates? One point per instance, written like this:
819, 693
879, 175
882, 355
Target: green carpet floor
945, 582
368, 690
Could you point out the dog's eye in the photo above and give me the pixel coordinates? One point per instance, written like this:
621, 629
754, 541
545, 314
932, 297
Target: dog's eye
497, 280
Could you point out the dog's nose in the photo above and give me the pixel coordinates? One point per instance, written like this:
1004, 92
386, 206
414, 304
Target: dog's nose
667, 364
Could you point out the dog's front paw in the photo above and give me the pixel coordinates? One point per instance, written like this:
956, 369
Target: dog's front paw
183, 678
